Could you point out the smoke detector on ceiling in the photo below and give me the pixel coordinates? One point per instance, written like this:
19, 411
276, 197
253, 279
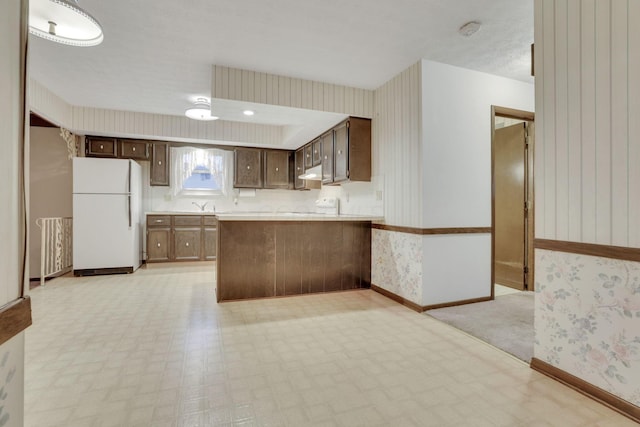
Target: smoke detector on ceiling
469, 29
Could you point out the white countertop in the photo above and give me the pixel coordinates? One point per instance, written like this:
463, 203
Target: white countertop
293, 216
273, 216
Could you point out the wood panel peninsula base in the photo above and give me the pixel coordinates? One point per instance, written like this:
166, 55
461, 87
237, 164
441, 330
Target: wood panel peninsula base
271, 258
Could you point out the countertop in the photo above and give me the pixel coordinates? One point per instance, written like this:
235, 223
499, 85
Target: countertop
273, 216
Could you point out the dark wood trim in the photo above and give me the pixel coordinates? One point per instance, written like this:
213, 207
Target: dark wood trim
429, 231
397, 298
422, 308
37, 121
15, 317
604, 251
456, 303
596, 393
513, 113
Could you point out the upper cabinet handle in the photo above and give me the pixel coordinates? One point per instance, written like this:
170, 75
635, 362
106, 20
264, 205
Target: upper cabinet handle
101, 147
134, 148
159, 162
277, 169
248, 167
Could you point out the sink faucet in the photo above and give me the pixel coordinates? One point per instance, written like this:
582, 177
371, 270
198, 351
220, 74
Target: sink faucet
201, 206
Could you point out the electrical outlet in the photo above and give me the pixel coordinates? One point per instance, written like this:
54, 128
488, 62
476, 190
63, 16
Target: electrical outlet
378, 194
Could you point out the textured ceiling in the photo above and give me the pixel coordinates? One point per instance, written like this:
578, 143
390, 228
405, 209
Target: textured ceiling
157, 54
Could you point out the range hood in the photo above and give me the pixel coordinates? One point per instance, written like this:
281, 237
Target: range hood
312, 174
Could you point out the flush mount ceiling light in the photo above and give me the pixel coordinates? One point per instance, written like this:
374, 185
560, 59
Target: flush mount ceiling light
248, 113
469, 29
63, 21
201, 110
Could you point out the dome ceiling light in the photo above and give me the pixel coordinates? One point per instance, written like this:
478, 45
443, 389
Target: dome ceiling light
469, 29
201, 110
64, 22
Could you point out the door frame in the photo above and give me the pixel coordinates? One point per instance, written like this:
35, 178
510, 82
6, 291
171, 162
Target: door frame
530, 117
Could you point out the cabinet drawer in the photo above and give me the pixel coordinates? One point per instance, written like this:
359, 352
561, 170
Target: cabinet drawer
187, 220
158, 221
210, 220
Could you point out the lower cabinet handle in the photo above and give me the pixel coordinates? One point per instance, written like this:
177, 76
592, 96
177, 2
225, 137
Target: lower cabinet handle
277, 169
101, 147
187, 244
158, 244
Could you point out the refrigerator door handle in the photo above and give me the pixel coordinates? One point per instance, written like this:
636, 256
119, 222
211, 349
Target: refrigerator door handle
129, 192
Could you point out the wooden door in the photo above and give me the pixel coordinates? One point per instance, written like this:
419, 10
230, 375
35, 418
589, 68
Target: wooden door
276, 169
298, 170
187, 244
248, 168
158, 244
510, 164
327, 157
160, 164
341, 153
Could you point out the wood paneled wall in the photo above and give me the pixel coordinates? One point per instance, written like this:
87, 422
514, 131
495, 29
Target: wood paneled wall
86, 120
587, 141
128, 123
397, 147
263, 88
49, 105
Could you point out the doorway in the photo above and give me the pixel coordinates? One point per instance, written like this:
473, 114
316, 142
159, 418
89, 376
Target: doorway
512, 198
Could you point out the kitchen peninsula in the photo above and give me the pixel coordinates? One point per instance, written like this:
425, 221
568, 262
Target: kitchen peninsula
269, 255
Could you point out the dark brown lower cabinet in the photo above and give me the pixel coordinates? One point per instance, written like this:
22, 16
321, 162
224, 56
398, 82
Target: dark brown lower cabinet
258, 259
181, 238
158, 246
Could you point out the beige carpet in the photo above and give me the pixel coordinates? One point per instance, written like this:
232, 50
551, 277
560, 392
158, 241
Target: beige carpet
506, 322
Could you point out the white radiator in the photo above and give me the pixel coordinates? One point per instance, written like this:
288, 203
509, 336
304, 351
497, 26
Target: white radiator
56, 254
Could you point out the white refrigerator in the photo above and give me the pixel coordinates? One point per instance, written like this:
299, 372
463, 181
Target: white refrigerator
107, 231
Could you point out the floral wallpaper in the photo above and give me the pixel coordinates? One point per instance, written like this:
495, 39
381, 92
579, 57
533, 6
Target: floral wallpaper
396, 263
7, 374
587, 319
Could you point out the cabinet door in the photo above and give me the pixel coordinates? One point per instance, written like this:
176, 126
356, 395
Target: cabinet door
210, 243
158, 249
248, 168
187, 244
101, 147
276, 169
298, 170
317, 152
308, 155
326, 141
341, 153
134, 150
160, 164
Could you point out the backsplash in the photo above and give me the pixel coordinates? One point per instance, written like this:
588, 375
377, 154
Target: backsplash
356, 198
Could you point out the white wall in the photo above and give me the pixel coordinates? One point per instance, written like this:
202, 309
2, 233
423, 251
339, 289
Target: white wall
11, 352
588, 100
51, 184
456, 174
456, 138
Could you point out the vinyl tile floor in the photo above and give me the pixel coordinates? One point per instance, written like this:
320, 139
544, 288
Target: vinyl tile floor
154, 349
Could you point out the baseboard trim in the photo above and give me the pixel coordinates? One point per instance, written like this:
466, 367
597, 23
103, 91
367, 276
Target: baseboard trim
397, 298
433, 231
456, 303
604, 251
15, 317
422, 308
596, 393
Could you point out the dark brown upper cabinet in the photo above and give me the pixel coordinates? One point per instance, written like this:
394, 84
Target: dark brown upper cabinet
247, 171
101, 147
160, 164
298, 169
326, 145
316, 152
137, 150
276, 169
351, 152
